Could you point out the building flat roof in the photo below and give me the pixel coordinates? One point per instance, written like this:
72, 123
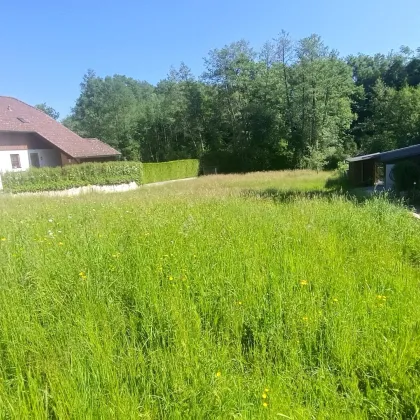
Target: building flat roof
390, 155
364, 157
400, 153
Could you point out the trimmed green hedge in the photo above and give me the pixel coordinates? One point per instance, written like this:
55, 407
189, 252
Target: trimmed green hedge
166, 171
70, 176
108, 173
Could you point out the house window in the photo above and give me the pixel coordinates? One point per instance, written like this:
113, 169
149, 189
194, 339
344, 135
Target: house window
15, 159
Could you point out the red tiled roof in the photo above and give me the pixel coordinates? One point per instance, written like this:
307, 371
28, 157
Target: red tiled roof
13, 113
99, 148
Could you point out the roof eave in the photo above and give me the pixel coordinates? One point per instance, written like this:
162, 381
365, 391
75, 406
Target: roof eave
364, 157
97, 156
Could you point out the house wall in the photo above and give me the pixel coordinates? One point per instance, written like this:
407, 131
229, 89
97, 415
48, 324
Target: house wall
363, 173
389, 182
67, 160
389, 166
22, 140
6, 163
24, 144
47, 157
355, 173
369, 172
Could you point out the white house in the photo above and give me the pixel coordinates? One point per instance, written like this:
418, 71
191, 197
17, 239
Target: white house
30, 138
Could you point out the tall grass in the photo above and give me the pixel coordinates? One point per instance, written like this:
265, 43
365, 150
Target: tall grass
196, 301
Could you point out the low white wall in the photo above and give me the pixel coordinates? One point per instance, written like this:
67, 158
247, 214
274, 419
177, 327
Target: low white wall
85, 190
6, 163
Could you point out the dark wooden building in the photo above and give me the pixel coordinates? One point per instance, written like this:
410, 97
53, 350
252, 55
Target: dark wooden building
367, 170
364, 170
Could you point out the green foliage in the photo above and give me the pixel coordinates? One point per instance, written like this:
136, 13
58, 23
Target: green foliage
292, 104
406, 175
343, 167
48, 110
70, 176
244, 106
108, 108
188, 301
387, 104
395, 119
166, 171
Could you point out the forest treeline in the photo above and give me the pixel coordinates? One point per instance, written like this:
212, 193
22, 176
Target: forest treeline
293, 104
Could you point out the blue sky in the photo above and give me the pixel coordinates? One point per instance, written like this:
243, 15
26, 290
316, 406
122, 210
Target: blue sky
47, 46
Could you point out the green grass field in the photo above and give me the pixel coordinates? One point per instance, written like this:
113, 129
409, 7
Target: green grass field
224, 297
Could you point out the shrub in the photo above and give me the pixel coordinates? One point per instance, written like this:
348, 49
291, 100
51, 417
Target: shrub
71, 176
166, 171
406, 175
254, 160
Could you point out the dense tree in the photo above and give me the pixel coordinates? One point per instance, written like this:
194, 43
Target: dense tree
395, 120
378, 78
48, 110
291, 104
108, 109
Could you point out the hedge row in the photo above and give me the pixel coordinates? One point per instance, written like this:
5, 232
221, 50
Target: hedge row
165, 171
108, 173
71, 176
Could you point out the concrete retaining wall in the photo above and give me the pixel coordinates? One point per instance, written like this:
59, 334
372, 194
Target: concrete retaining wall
84, 190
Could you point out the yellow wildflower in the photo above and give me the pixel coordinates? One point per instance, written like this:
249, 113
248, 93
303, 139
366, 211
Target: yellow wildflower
3, 239
266, 390
218, 374
170, 278
304, 282
264, 396
60, 243
83, 275
335, 300
240, 302
265, 404
305, 318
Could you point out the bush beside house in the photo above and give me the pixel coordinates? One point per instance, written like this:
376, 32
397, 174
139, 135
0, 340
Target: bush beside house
71, 176
107, 173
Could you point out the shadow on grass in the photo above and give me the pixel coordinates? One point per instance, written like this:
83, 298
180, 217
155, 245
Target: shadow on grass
278, 195
333, 188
